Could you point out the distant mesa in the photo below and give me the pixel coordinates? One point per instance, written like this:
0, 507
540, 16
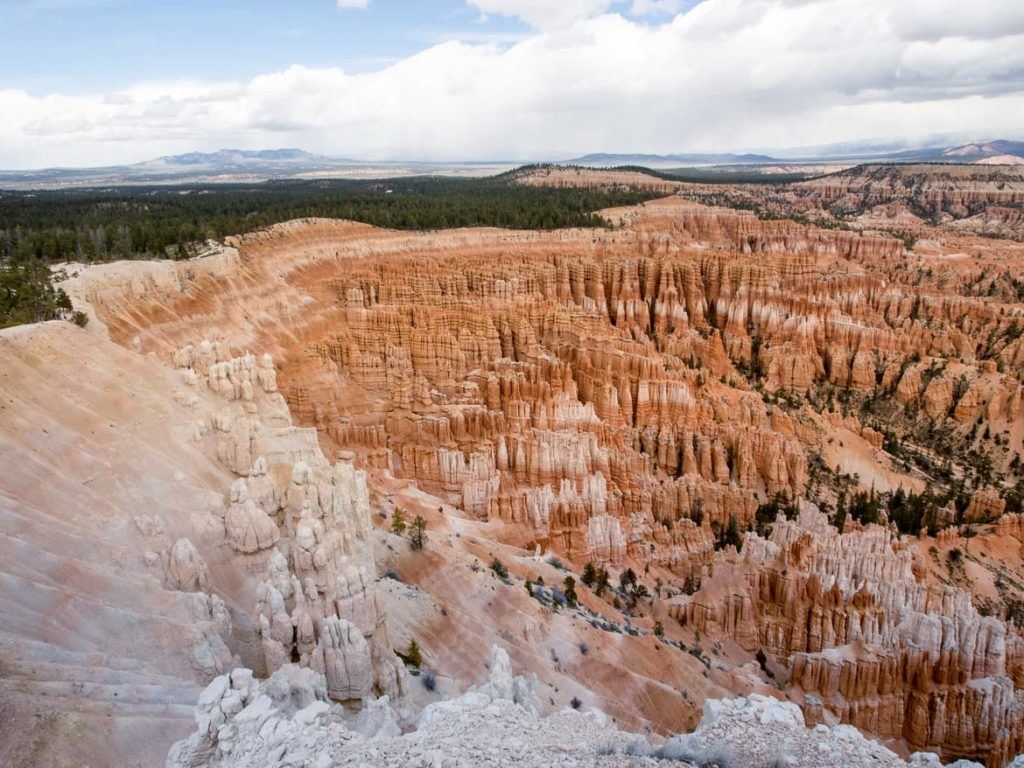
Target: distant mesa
995, 152
963, 153
1001, 160
237, 165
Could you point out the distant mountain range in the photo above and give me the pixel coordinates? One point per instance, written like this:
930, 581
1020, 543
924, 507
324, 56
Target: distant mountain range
988, 149
998, 150
727, 158
247, 158
963, 153
243, 165
223, 165
237, 165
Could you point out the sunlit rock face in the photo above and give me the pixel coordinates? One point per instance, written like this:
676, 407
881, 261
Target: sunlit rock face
547, 379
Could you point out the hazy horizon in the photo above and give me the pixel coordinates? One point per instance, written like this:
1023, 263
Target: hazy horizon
858, 148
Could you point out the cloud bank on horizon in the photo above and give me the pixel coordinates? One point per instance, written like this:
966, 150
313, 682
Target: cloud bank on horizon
591, 75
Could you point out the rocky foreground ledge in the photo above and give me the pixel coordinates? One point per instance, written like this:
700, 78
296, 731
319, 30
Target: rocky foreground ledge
287, 720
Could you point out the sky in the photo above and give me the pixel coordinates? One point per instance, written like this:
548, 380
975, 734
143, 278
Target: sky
97, 82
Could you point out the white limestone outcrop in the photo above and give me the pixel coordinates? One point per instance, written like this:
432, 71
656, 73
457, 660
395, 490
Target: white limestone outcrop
186, 569
249, 528
301, 528
289, 720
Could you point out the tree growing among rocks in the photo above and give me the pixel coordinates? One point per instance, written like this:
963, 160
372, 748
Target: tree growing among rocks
414, 655
398, 523
627, 579
570, 591
418, 533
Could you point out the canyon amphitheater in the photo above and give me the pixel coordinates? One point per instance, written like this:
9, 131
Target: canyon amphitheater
201, 564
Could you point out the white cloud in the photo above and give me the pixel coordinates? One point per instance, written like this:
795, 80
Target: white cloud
934, 19
353, 3
543, 14
728, 74
651, 7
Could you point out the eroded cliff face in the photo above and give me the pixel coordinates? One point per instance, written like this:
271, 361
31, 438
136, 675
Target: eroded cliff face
632, 398
917, 199
160, 528
560, 379
865, 640
298, 526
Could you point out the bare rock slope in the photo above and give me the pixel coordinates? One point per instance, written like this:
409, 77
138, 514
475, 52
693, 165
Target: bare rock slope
102, 658
141, 512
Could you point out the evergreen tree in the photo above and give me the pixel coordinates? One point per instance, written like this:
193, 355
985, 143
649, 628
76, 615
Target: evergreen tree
730, 536
398, 523
627, 579
414, 656
589, 576
698, 513
570, 591
62, 301
26, 295
418, 533
839, 521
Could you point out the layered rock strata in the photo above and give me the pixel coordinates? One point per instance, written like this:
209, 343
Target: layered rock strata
593, 390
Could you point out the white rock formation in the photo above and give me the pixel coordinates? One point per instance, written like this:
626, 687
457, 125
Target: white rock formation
288, 720
186, 569
501, 684
346, 660
762, 731
307, 542
249, 528
261, 487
